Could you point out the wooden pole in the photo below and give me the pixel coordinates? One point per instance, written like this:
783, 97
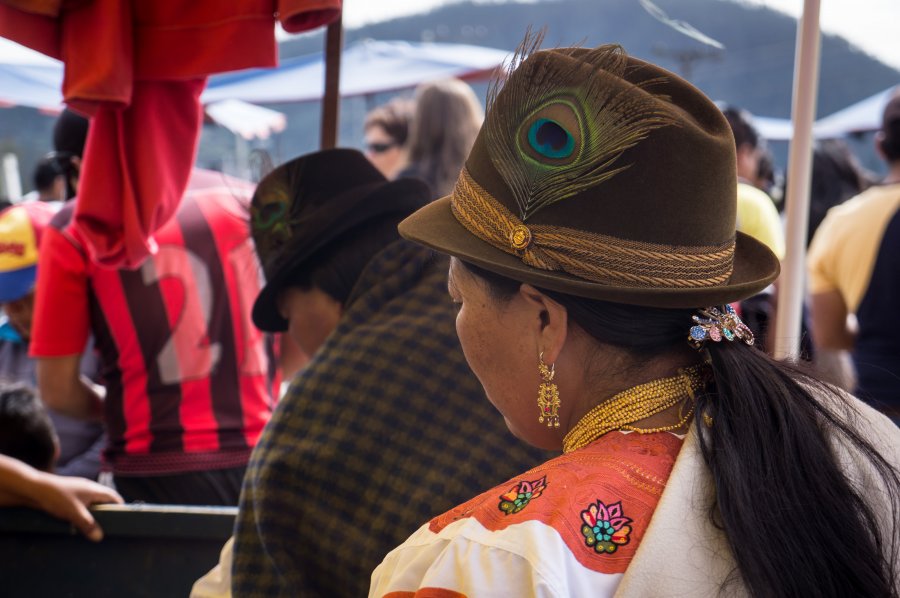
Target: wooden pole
332, 100
803, 111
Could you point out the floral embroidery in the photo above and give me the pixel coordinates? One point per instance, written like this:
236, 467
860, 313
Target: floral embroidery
521, 494
605, 527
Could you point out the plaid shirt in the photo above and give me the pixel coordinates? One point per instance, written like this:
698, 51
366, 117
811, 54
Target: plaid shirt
383, 430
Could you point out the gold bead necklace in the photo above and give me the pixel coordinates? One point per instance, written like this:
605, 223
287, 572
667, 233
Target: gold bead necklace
637, 403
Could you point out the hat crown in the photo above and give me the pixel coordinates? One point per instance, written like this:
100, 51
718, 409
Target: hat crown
602, 176
595, 140
294, 205
315, 202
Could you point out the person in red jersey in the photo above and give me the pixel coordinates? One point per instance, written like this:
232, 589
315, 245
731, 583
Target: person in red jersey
188, 378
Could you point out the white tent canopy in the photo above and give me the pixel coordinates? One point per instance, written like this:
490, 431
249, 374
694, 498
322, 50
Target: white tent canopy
366, 67
13, 53
864, 115
774, 129
28, 78
247, 120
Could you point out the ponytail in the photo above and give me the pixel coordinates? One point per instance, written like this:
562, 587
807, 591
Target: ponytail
795, 523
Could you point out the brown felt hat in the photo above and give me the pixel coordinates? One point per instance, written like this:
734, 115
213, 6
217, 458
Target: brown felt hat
600, 175
306, 205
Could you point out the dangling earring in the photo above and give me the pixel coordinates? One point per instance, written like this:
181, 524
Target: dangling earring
548, 394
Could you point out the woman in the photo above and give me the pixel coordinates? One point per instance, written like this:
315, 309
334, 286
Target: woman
591, 229
444, 127
386, 130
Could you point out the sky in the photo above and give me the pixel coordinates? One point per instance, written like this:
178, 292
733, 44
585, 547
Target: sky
872, 25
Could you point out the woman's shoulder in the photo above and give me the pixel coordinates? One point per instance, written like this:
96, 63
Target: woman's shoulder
617, 463
567, 527
597, 500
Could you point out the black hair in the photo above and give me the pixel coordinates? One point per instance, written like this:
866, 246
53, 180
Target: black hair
741, 123
890, 144
26, 432
796, 524
69, 138
70, 133
836, 177
46, 171
770, 177
336, 267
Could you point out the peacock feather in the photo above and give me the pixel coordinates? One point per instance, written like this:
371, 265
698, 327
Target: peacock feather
275, 212
556, 131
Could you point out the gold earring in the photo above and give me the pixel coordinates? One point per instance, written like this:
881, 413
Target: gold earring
548, 394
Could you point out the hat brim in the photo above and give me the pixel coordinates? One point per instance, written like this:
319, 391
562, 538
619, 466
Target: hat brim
265, 314
17, 283
434, 226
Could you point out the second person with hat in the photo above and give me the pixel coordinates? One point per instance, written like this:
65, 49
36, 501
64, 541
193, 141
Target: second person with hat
385, 426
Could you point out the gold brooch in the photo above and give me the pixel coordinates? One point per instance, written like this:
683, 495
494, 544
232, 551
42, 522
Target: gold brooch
520, 237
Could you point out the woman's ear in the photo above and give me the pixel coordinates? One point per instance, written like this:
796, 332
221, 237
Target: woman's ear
551, 321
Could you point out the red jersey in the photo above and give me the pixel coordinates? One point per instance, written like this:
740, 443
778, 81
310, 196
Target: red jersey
188, 376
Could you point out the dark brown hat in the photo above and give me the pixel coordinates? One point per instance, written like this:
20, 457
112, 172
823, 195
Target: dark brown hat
603, 176
310, 202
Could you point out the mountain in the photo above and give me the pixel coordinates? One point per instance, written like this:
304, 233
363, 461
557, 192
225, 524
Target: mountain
754, 70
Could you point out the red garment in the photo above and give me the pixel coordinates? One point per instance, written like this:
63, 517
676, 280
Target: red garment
188, 376
137, 68
144, 155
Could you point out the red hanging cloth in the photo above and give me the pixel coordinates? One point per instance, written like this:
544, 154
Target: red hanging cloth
137, 68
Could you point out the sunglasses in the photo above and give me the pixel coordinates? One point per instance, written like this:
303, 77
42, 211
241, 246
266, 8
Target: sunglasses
379, 148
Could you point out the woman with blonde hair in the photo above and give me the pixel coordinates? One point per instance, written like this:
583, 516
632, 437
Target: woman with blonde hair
446, 121
594, 262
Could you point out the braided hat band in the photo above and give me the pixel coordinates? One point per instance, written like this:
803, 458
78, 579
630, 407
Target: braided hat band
594, 257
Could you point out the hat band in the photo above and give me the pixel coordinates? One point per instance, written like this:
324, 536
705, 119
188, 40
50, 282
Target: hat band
597, 258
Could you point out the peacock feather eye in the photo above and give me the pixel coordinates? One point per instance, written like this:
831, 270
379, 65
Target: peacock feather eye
267, 215
549, 138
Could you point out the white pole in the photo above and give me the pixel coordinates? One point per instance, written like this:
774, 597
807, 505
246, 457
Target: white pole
12, 187
803, 112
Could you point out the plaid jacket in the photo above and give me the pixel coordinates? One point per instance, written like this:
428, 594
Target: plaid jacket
383, 430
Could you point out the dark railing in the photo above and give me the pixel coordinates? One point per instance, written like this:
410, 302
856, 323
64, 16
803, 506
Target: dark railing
147, 550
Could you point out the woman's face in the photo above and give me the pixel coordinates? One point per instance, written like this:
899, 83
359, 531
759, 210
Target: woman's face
384, 152
500, 346
312, 315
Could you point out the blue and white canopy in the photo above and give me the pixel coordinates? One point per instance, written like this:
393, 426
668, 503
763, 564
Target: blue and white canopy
366, 67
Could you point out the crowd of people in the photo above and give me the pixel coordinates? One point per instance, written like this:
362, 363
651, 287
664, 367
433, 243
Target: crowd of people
610, 241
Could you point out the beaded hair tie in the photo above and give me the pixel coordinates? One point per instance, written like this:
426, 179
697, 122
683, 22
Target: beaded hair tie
715, 325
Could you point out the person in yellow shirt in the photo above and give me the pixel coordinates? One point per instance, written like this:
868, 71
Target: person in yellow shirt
854, 268
756, 213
